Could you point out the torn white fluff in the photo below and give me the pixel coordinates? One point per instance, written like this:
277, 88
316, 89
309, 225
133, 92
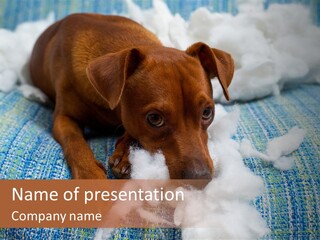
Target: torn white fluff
15, 50
270, 48
152, 167
266, 45
103, 233
277, 149
33, 93
224, 205
222, 210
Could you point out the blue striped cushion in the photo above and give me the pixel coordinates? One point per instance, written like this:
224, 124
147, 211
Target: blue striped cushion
290, 203
13, 12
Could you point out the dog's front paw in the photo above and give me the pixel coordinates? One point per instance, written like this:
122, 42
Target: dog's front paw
120, 165
119, 161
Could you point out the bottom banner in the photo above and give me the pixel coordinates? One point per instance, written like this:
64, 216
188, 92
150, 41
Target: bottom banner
93, 203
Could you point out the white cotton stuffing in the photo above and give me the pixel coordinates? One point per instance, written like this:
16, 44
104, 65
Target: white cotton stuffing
223, 209
152, 166
277, 149
15, 51
103, 233
270, 47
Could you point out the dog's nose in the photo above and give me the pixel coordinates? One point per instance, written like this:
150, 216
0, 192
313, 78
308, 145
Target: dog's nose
196, 169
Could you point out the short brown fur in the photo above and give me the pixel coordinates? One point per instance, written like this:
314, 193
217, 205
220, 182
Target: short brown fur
108, 71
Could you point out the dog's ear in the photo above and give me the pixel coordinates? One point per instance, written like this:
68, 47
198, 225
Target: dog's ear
215, 62
109, 72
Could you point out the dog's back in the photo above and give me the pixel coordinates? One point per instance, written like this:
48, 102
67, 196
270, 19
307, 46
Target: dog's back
78, 39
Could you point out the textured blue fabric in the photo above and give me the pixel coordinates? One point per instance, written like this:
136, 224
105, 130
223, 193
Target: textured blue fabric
16, 11
291, 200
13, 12
290, 203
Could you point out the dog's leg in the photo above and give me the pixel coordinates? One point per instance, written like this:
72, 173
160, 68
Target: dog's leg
119, 161
76, 150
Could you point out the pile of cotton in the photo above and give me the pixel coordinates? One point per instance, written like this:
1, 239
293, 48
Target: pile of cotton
15, 50
223, 209
270, 48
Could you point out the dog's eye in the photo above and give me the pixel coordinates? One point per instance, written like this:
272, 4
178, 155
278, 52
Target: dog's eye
155, 120
207, 114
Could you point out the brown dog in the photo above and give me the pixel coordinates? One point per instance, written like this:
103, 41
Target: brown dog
109, 71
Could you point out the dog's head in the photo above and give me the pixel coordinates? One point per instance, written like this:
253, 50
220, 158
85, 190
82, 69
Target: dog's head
165, 99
